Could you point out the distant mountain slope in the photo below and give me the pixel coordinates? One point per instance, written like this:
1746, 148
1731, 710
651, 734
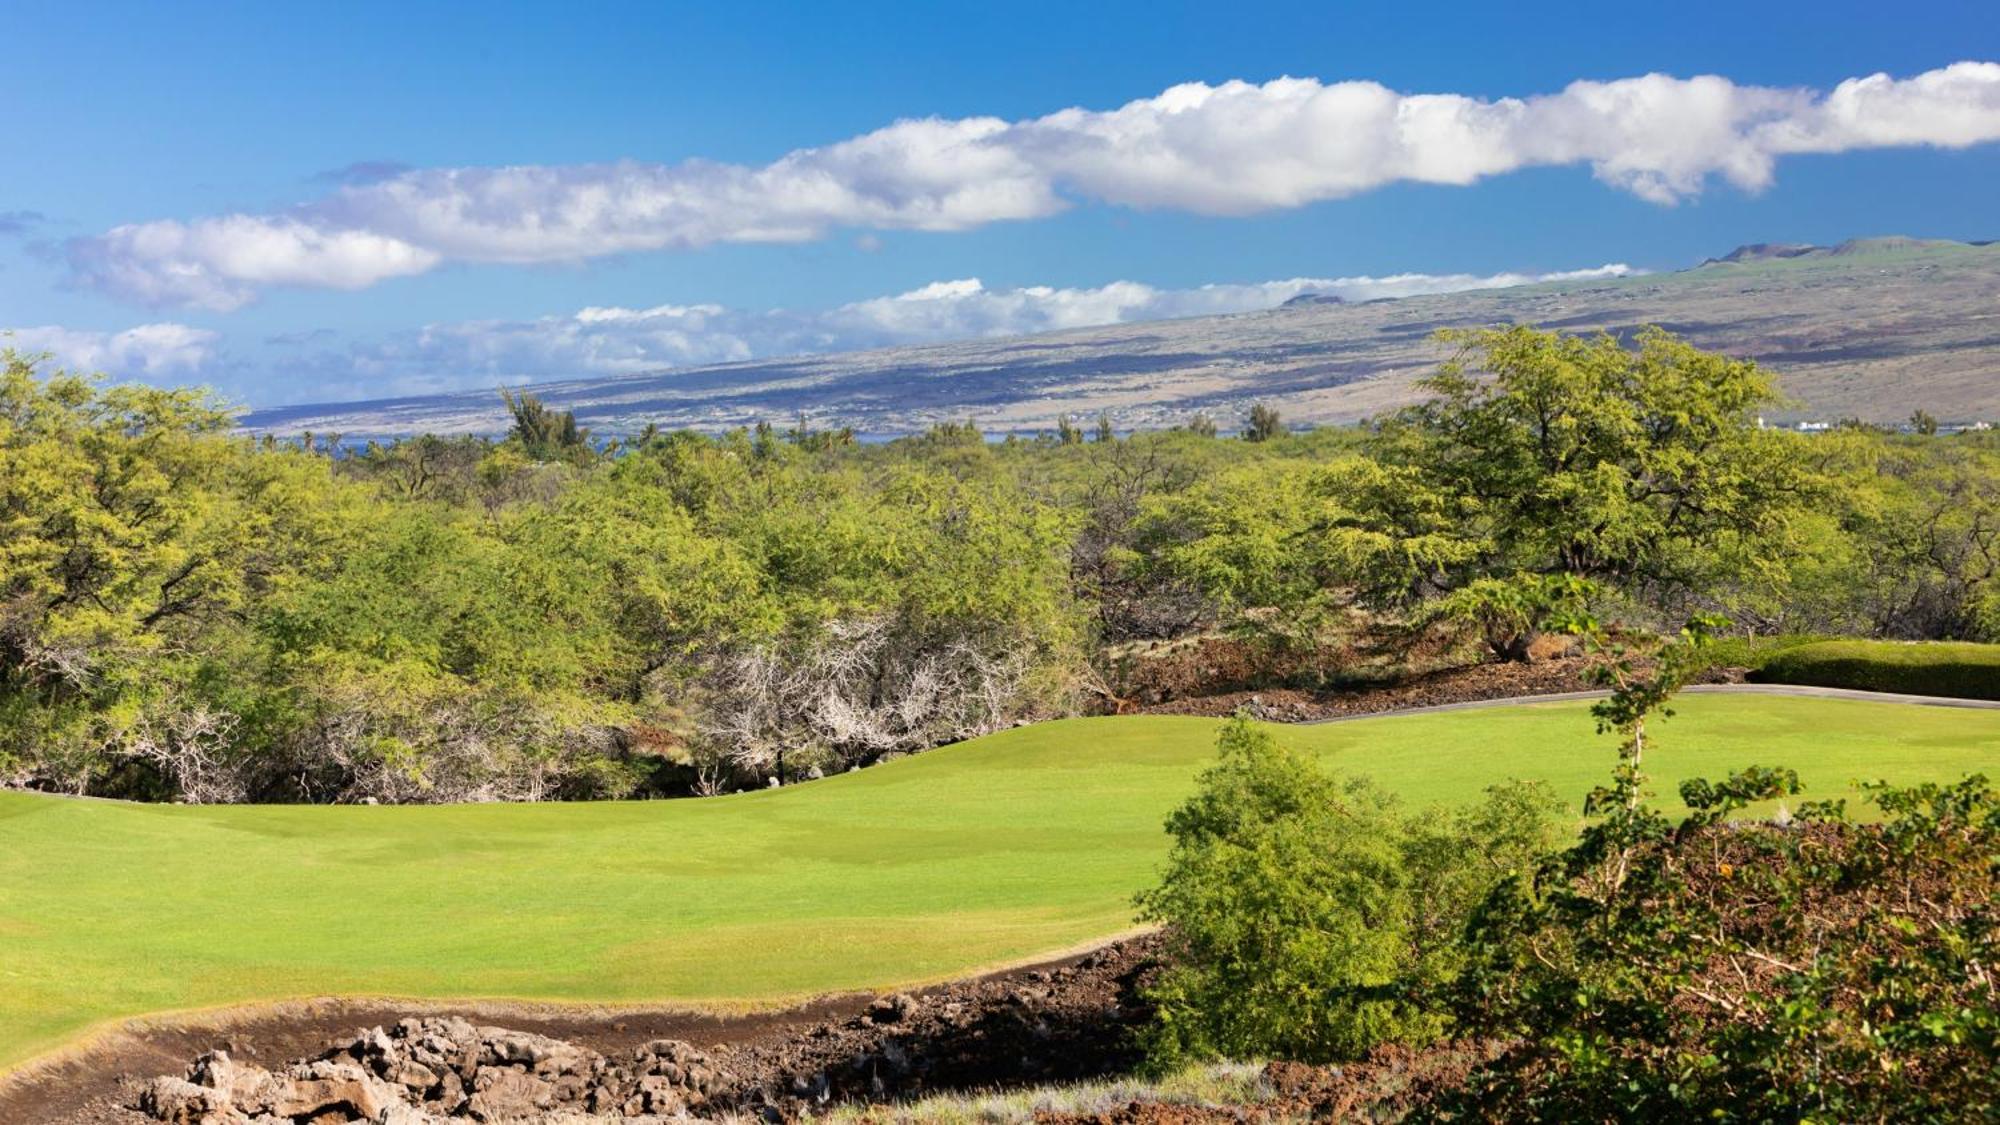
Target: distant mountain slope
1765, 252
1872, 328
1772, 251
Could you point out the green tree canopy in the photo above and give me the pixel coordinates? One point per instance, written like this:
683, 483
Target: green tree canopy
1578, 455
1310, 919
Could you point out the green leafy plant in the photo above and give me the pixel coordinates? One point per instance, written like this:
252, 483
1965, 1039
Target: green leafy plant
1510, 614
1308, 916
1265, 423
1812, 969
545, 434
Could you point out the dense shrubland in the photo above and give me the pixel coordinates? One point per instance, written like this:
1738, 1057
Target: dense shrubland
1808, 966
187, 612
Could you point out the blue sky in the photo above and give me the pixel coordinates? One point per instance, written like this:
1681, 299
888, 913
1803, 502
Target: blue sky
172, 116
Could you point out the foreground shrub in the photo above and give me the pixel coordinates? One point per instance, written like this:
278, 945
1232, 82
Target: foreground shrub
1814, 968
1958, 670
1820, 971
1308, 917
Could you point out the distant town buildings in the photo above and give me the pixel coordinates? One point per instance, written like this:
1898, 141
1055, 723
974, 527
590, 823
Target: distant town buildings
1812, 426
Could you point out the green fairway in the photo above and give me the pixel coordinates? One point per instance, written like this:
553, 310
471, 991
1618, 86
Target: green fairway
993, 850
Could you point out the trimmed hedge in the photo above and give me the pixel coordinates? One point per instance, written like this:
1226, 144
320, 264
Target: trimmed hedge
1956, 670
1755, 652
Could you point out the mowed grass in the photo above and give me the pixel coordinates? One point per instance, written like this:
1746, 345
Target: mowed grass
994, 850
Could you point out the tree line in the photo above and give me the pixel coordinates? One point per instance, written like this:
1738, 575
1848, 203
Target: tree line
190, 613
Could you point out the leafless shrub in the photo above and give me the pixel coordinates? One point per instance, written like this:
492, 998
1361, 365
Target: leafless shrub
447, 755
711, 774
440, 750
190, 746
67, 664
863, 689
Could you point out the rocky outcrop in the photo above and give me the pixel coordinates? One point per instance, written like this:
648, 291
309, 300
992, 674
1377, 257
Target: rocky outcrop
442, 1070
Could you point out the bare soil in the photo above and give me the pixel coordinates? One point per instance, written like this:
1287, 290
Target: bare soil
1456, 685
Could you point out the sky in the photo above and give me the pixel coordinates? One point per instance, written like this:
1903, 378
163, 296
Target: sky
298, 203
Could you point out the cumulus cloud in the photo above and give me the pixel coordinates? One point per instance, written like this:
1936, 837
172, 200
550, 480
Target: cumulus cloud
148, 351
623, 341
222, 263
1232, 149
1954, 107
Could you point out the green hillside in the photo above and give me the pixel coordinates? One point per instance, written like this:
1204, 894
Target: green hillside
989, 851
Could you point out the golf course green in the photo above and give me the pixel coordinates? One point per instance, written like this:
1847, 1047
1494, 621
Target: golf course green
990, 851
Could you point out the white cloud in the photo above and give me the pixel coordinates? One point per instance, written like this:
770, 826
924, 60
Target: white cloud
222, 263
1954, 107
622, 341
1231, 149
149, 351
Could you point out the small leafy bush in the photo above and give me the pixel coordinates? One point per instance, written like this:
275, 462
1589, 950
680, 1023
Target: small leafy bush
1957, 670
1755, 652
1510, 613
1310, 918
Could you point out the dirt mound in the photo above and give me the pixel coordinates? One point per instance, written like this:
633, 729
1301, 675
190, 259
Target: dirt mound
1049, 1025
1458, 685
1058, 1022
